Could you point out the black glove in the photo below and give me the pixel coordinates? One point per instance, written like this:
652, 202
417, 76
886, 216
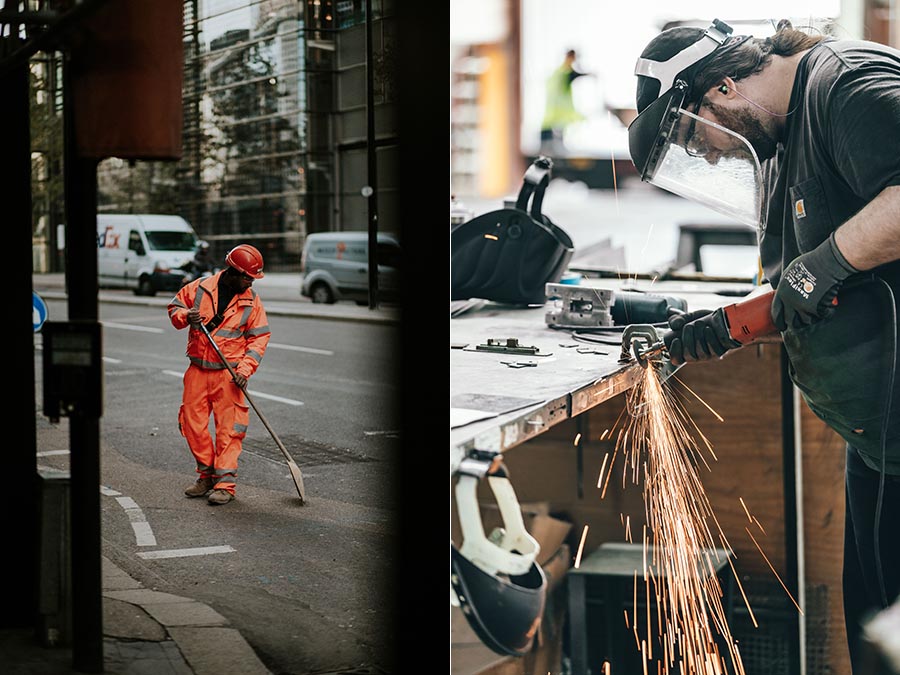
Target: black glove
808, 286
697, 336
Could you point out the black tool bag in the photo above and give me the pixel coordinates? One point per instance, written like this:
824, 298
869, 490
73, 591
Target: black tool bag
508, 256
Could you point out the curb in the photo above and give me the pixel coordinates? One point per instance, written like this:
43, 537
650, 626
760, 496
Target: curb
273, 308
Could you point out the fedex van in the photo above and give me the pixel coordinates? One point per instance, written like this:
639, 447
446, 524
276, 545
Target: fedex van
143, 252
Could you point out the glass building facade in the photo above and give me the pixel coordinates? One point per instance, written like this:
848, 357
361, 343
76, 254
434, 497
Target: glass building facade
275, 129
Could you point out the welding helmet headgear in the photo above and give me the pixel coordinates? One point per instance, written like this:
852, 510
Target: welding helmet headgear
496, 582
672, 146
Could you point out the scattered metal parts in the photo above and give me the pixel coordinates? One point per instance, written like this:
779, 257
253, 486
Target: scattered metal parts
578, 306
509, 346
591, 350
520, 364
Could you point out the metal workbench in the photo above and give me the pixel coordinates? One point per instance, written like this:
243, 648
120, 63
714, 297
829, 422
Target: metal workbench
496, 402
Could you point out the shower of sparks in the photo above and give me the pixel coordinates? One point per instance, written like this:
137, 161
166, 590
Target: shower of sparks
773, 571
602, 469
613, 163
744, 595
679, 538
749, 517
581, 547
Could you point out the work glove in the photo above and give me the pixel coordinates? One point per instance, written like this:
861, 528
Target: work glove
697, 336
193, 317
808, 287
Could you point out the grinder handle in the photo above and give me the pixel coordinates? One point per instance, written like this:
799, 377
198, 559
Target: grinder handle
751, 319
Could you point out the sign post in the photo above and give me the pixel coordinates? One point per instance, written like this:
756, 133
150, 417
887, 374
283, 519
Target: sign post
39, 311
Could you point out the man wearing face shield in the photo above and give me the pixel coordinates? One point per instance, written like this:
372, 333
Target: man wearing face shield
798, 135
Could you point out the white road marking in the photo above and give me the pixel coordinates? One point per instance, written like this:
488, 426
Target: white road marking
108, 491
258, 394
107, 359
295, 348
381, 433
142, 532
184, 552
272, 397
51, 470
52, 453
128, 326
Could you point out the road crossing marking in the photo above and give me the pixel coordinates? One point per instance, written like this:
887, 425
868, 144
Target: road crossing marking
143, 534
185, 552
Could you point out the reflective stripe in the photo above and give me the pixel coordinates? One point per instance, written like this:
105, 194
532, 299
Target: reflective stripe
259, 330
210, 365
253, 355
228, 333
203, 468
199, 297
245, 315
240, 428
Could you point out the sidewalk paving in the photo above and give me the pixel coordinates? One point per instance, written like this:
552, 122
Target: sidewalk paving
144, 633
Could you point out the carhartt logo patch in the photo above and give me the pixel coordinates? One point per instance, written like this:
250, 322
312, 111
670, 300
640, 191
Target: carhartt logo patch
799, 209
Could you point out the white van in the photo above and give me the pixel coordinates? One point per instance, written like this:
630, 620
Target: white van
143, 252
335, 266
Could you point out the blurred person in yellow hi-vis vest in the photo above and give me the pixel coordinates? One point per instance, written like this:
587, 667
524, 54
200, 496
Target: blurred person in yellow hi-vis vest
560, 110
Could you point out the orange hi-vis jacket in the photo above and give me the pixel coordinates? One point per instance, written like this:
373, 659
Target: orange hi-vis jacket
242, 336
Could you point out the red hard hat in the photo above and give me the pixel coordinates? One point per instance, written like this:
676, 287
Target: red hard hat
246, 259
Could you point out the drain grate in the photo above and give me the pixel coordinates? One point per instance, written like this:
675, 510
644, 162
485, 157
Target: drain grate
306, 452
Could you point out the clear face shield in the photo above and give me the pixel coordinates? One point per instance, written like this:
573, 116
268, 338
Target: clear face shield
678, 150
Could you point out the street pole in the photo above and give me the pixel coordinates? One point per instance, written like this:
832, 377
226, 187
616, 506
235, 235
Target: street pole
80, 176
370, 191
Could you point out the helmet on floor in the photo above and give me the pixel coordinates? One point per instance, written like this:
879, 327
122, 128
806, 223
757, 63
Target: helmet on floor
496, 581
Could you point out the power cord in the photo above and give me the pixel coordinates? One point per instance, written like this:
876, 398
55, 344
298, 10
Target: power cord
884, 428
596, 334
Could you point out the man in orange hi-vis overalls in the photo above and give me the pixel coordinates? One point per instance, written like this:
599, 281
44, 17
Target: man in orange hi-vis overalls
234, 315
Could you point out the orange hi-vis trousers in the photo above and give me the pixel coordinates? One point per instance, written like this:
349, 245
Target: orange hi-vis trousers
213, 391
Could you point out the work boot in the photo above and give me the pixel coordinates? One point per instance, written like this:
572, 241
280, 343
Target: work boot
200, 488
220, 497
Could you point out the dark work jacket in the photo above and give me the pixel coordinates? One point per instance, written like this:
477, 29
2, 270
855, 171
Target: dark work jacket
841, 149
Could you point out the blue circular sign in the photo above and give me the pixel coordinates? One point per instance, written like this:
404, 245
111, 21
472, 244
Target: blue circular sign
39, 311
